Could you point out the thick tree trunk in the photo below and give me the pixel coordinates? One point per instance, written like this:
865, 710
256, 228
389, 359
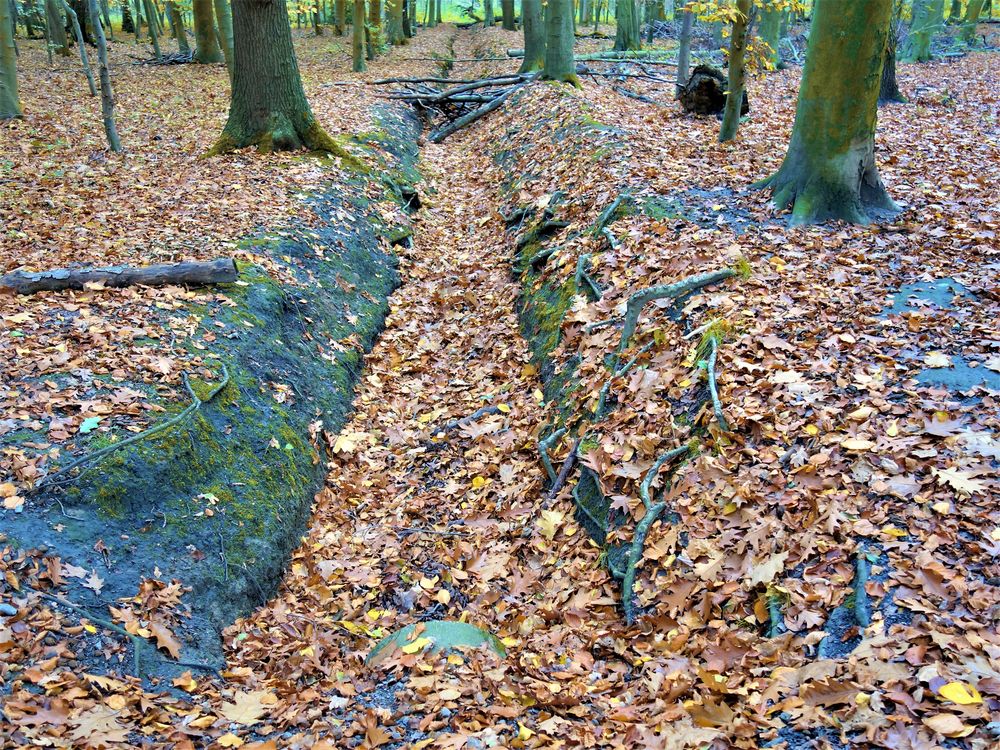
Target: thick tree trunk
154, 35
889, 89
507, 12
627, 26
107, 95
394, 21
489, 15
224, 23
10, 103
770, 34
955, 13
57, 27
373, 39
221, 271
534, 36
829, 171
737, 53
83, 14
177, 26
971, 20
927, 18
358, 37
559, 37
206, 49
340, 17
684, 51
275, 116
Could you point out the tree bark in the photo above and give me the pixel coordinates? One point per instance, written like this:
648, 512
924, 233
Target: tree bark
75, 22
955, 13
971, 21
627, 26
358, 37
128, 25
154, 36
275, 116
394, 21
374, 30
559, 37
737, 53
507, 11
829, 171
221, 271
927, 18
10, 102
177, 26
534, 36
107, 95
57, 27
888, 88
770, 34
340, 17
684, 51
206, 49
224, 22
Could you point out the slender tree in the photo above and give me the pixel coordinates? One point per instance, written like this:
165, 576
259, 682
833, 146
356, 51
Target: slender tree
154, 35
928, 16
489, 15
559, 37
684, 50
829, 171
358, 37
340, 17
10, 103
177, 26
737, 70
75, 21
627, 26
373, 30
534, 36
107, 94
224, 24
971, 20
507, 13
889, 88
955, 13
275, 116
206, 48
58, 41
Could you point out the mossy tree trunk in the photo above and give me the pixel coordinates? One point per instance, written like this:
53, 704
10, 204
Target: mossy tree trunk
275, 116
10, 102
224, 23
627, 26
489, 15
534, 36
684, 50
394, 21
507, 12
559, 37
177, 27
889, 88
340, 17
955, 13
829, 171
128, 25
358, 37
972, 12
770, 34
737, 71
207, 48
374, 32
57, 27
927, 18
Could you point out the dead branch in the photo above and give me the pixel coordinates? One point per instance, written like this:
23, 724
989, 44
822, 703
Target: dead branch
544, 446
713, 387
192, 273
564, 472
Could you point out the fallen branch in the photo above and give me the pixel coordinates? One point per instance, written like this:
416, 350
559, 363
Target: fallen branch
441, 133
862, 605
564, 472
544, 446
192, 273
477, 414
194, 406
584, 283
713, 387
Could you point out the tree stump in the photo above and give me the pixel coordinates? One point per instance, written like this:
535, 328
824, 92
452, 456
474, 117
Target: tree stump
705, 92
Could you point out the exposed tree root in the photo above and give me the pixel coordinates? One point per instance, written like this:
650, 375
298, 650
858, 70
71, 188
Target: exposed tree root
584, 283
862, 604
776, 624
564, 472
713, 387
544, 446
89, 458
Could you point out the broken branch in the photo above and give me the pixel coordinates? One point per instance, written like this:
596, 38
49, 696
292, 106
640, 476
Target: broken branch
192, 273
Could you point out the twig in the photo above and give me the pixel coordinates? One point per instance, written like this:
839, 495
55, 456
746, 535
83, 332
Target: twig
618, 373
862, 606
564, 472
477, 414
543, 449
194, 406
776, 625
713, 387
440, 134
584, 283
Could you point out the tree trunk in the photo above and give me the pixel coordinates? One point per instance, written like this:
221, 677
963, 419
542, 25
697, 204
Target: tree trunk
340, 20
57, 27
128, 25
889, 89
154, 36
204, 273
374, 28
224, 22
10, 103
177, 26
927, 17
407, 22
971, 21
770, 34
737, 53
438, 18
507, 10
955, 14
107, 95
627, 26
559, 37
829, 171
358, 37
489, 15
138, 20
206, 49
584, 17
534, 36
275, 116
75, 22
83, 15
684, 51
394, 21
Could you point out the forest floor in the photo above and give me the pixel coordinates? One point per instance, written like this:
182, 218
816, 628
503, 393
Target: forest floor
857, 372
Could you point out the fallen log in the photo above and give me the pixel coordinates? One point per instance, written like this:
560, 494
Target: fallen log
651, 56
193, 273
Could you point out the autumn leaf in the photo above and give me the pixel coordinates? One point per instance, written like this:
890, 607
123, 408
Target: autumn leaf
960, 693
165, 639
937, 359
959, 480
947, 724
549, 522
248, 707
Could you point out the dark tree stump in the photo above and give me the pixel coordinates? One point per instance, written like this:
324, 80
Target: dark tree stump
705, 92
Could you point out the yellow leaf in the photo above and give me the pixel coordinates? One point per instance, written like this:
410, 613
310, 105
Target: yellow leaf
523, 733
230, 740
857, 444
812, 429
478, 483
549, 523
89, 628
961, 693
893, 429
893, 531
442, 596
449, 694
504, 408
416, 645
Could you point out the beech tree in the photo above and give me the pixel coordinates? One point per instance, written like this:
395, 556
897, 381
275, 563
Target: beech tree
534, 36
10, 103
829, 171
358, 37
971, 20
627, 35
737, 70
559, 37
928, 15
207, 48
268, 106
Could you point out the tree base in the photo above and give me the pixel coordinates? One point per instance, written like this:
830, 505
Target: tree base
282, 135
571, 78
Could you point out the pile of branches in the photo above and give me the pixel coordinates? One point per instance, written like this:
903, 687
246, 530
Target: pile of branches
174, 58
459, 105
